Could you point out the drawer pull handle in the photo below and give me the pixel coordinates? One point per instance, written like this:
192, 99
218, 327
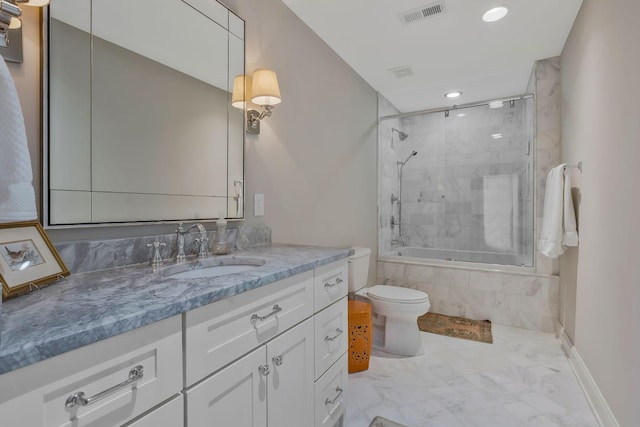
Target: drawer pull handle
255, 318
79, 399
264, 370
328, 401
336, 283
277, 360
333, 338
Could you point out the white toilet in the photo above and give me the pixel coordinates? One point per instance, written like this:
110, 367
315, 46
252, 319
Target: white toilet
395, 309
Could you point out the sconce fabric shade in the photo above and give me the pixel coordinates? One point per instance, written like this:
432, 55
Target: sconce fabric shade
241, 91
265, 89
15, 23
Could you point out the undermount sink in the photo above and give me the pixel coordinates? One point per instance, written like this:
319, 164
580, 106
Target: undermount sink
213, 268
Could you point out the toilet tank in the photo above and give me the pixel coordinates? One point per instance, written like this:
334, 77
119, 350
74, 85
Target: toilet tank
359, 268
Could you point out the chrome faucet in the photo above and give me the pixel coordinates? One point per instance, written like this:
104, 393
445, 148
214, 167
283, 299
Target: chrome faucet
202, 240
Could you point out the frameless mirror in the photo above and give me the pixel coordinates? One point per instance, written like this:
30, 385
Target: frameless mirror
141, 126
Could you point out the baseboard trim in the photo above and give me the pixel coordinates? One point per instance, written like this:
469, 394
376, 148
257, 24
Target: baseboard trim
596, 400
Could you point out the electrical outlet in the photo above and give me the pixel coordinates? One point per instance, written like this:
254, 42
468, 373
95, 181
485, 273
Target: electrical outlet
258, 204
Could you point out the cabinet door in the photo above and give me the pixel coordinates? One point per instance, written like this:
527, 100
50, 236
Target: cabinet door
291, 388
236, 396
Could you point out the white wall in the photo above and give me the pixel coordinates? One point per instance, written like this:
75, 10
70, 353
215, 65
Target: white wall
315, 159
600, 93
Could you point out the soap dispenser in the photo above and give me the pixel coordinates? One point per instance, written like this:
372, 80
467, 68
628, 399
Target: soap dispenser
221, 247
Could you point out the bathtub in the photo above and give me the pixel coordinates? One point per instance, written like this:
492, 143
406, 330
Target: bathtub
475, 285
455, 258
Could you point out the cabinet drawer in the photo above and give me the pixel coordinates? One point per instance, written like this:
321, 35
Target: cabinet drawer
42, 390
331, 335
330, 283
221, 332
331, 394
171, 414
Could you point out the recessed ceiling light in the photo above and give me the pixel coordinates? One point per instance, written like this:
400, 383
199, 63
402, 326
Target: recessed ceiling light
495, 14
496, 136
496, 104
454, 94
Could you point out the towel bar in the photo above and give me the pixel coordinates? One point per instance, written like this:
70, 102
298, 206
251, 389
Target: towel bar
578, 165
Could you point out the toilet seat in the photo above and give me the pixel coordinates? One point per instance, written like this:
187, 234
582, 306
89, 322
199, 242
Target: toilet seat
397, 294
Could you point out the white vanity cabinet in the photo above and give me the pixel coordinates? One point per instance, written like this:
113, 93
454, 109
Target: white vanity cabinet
271, 357
271, 386
108, 383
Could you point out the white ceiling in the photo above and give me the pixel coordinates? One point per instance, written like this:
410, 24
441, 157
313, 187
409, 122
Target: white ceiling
454, 50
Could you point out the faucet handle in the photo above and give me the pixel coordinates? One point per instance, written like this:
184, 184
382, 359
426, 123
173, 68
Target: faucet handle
156, 258
202, 241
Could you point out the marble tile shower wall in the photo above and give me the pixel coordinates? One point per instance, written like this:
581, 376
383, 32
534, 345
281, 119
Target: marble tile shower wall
86, 256
444, 202
545, 83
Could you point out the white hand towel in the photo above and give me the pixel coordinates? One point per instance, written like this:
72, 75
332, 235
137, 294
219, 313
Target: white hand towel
559, 219
17, 198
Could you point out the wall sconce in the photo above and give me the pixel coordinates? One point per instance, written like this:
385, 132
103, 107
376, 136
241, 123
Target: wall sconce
9, 16
262, 89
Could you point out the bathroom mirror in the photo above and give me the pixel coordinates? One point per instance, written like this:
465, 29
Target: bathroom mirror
141, 127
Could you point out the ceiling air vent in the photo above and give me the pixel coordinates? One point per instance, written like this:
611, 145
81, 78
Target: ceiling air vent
421, 13
400, 72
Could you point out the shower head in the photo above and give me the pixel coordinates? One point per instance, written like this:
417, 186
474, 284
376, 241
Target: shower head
401, 135
413, 153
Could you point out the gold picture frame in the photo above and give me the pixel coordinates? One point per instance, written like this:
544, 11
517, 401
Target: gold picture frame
28, 259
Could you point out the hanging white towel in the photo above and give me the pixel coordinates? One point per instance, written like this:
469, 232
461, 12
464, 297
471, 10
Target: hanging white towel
558, 220
17, 198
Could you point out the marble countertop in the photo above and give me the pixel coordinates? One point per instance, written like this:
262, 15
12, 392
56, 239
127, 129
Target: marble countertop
88, 307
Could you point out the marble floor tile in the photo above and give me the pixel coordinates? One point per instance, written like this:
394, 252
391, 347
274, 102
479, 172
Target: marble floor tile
521, 380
